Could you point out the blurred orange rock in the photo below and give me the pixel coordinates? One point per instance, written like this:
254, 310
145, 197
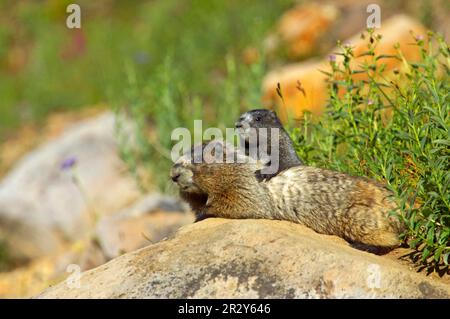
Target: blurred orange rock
303, 87
300, 28
312, 94
250, 55
16, 59
401, 30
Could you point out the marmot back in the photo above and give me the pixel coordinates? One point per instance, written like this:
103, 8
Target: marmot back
355, 208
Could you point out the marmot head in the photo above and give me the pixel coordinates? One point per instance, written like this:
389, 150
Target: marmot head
212, 167
256, 119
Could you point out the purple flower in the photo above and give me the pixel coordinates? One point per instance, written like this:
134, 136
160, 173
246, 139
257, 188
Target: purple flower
141, 58
369, 102
332, 58
68, 163
419, 37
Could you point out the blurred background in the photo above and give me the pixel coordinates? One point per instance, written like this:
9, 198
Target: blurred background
158, 65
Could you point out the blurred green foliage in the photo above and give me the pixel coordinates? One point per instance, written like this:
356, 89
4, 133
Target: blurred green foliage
45, 67
395, 129
196, 69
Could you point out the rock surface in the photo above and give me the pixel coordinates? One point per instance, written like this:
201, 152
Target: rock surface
219, 258
30, 279
145, 222
148, 221
41, 207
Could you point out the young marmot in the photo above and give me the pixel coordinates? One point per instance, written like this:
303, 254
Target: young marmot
354, 208
256, 119
261, 118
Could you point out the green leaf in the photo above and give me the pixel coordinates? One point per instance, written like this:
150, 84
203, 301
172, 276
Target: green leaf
438, 253
441, 141
426, 252
445, 258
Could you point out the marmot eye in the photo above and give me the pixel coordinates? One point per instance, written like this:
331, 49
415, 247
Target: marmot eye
258, 118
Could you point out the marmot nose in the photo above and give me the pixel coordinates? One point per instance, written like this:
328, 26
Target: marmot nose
238, 124
175, 177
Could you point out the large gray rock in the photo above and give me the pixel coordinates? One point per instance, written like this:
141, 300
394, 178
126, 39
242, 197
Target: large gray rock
219, 258
42, 207
148, 221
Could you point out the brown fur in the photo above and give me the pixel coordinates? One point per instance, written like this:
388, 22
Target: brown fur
354, 208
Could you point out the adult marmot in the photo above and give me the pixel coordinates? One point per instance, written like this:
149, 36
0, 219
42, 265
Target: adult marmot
354, 208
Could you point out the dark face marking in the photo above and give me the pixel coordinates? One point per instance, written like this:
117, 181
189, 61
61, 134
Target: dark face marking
258, 119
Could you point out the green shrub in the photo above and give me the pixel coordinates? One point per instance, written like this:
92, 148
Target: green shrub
394, 128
